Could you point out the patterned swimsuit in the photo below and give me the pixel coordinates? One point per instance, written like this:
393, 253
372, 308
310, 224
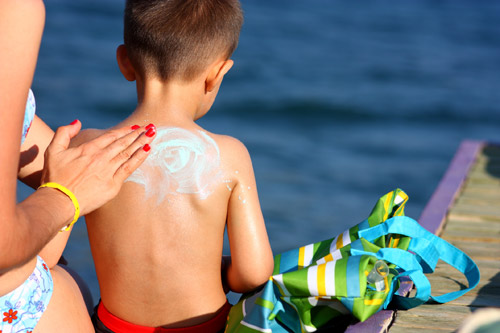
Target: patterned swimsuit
22, 308
29, 114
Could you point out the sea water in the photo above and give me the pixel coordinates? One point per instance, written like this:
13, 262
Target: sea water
338, 102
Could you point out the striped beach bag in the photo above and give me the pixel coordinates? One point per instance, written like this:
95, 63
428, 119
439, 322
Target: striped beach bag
355, 274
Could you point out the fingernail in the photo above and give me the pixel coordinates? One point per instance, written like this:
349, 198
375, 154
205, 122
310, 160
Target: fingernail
135, 127
146, 147
74, 122
151, 132
150, 126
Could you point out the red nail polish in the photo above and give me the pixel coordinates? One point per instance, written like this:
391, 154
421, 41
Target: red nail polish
151, 132
146, 147
135, 127
150, 126
74, 122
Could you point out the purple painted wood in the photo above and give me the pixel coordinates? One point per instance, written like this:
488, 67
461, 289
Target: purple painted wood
405, 287
434, 213
377, 323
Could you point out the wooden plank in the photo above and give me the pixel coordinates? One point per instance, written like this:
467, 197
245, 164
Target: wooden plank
487, 264
485, 168
471, 218
477, 214
481, 189
477, 301
477, 250
476, 201
485, 212
435, 211
487, 179
485, 236
438, 318
442, 285
430, 318
470, 192
472, 225
401, 328
431, 309
487, 273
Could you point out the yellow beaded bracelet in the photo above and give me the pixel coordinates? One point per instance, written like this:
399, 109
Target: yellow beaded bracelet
71, 196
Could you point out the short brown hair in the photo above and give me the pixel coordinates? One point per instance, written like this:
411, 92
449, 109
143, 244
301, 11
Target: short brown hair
179, 38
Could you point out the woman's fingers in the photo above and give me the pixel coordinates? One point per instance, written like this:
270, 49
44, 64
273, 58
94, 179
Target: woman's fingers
132, 163
130, 158
111, 137
122, 149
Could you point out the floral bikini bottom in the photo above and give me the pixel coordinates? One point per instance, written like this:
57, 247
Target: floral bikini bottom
22, 308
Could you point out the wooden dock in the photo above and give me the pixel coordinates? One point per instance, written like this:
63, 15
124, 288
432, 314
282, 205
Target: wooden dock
470, 221
465, 211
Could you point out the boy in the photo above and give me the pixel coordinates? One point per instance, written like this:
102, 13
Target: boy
157, 246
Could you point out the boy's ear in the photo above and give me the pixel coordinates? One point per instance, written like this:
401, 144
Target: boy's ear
216, 74
124, 63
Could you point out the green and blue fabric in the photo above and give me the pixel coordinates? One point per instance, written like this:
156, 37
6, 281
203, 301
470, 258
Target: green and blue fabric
313, 284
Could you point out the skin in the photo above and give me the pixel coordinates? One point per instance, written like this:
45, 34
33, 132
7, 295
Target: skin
183, 162
175, 243
94, 172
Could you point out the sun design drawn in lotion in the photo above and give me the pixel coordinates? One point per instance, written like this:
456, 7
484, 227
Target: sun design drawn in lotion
180, 162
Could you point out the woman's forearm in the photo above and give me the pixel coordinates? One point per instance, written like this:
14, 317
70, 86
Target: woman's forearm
31, 225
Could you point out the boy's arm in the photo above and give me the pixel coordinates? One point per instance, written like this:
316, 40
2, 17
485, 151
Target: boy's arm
251, 262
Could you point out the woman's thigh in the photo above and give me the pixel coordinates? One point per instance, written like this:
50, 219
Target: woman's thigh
66, 311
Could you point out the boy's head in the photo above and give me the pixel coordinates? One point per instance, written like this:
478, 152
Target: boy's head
178, 39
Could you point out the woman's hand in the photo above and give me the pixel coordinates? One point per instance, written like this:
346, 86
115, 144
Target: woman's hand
95, 171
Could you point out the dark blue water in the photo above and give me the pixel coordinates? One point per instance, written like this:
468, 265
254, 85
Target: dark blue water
337, 102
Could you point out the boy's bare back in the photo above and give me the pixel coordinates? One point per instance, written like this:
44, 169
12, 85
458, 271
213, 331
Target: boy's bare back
157, 246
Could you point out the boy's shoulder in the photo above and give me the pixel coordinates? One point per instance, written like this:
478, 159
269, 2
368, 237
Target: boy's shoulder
231, 147
227, 141
85, 136
234, 157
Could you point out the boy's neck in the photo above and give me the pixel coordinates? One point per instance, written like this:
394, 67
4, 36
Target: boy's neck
171, 103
